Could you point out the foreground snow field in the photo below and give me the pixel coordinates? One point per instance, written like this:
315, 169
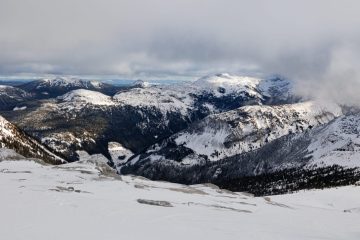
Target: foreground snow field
87, 201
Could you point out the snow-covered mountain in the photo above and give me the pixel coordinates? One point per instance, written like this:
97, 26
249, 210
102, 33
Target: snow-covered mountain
214, 93
13, 138
141, 116
140, 84
327, 154
274, 88
53, 87
87, 200
80, 97
235, 131
250, 137
242, 130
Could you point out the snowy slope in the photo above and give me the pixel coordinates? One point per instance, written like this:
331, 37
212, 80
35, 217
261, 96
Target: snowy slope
277, 89
86, 201
337, 143
224, 83
242, 130
13, 138
9, 154
261, 149
160, 98
83, 96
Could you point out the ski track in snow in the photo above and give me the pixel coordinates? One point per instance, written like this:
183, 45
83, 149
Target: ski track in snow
76, 201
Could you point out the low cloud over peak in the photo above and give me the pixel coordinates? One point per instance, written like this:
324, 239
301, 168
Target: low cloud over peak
314, 42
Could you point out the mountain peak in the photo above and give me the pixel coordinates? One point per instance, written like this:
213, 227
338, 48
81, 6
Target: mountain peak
224, 84
223, 79
86, 96
140, 83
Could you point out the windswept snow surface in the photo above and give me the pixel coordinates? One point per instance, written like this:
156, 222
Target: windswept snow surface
85, 200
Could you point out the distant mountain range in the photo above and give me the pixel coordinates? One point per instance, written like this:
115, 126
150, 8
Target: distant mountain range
53, 87
239, 132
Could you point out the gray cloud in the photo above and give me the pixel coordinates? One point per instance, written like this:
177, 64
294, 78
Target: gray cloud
314, 42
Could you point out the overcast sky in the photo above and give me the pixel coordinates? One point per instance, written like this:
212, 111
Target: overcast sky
302, 39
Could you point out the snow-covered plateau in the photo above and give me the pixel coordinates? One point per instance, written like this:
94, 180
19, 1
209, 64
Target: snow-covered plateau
87, 200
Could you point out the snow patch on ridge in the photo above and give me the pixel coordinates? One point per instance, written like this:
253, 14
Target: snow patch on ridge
19, 108
225, 84
87, 96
